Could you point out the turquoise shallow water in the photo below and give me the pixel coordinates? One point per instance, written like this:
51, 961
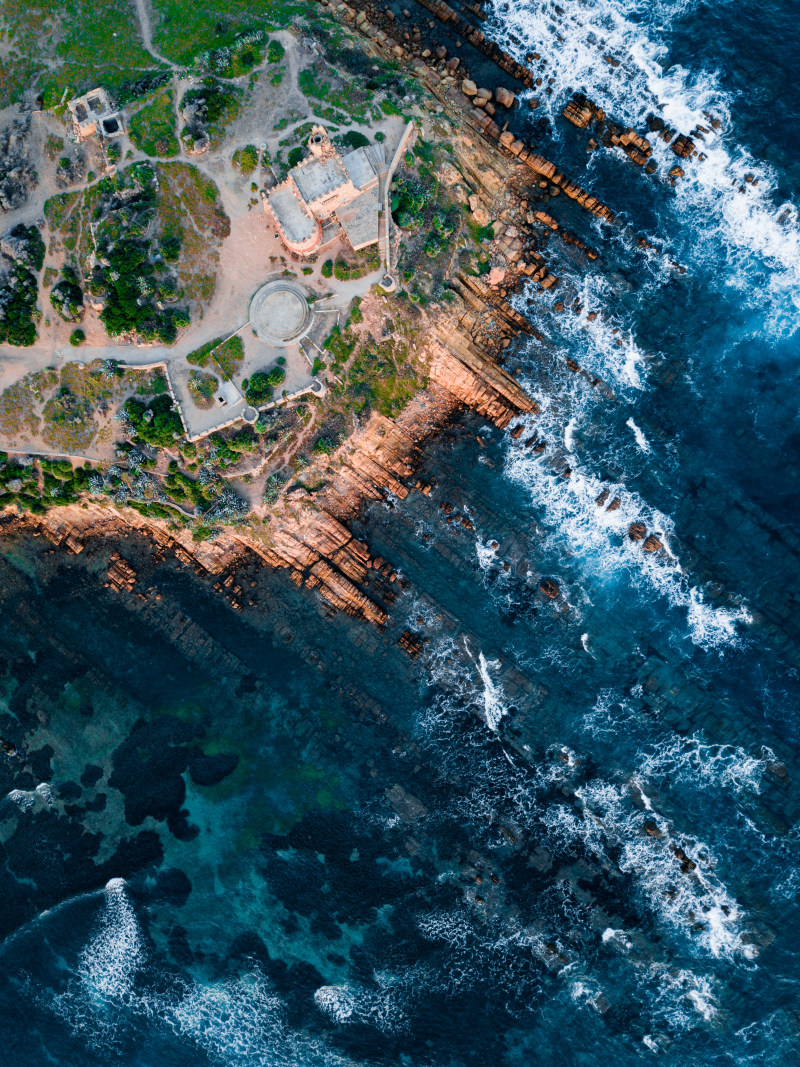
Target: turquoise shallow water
569, 829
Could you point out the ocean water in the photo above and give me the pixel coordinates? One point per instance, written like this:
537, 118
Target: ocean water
568, 831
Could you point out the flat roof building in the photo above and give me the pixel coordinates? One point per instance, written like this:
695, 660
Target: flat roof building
92, 113
325, 186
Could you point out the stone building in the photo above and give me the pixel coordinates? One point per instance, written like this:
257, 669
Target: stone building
92, 113
327, 188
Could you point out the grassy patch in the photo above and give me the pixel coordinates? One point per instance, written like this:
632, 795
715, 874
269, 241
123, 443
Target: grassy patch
228, 356
246, 159
190, 215
202, 388
74, 45
152, 128
182, 29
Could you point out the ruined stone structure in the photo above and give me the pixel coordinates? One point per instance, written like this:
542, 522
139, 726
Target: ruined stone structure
326, 187
92, 114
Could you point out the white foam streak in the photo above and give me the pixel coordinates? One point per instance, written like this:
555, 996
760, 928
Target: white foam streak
599, 537
493, 706
750, 229
638, 433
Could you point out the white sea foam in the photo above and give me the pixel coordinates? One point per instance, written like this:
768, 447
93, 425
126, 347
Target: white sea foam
568, 508
378, 1006
493, 705
487, 557
336, 1001
691, 759
750, 228
693, 901
115, 952
638, 433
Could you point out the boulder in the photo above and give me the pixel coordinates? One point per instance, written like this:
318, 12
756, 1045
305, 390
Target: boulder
505, 97
651, 544
637, 531
468, 87
496, 275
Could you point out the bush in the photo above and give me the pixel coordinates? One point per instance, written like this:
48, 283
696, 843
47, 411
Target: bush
67, 299
246, 159
355, 139
259, 389
77, 337
275, 52
156, 423
202, 388
295, 157
327, 268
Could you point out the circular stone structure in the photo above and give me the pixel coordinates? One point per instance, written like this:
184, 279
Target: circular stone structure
280, 313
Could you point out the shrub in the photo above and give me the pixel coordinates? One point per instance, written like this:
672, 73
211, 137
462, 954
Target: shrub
156, 423
227, 357
202, 388
355, 139
295, 157
259, 390
246, 159
67, 299
327, 268
275, 52
77, 337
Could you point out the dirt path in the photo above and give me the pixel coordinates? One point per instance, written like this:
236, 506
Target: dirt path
146, 29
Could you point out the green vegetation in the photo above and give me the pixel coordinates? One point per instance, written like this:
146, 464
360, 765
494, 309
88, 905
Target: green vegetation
152, 128
67, 297
340, 345
202, 388
20, 289
260, 386
156, 422
237, 58
183, 29
246, 159
130, 305
295, 156
381, 377
201, 356
46, 482
193, 224
354, 139
228, 356
77, 337
326, 269
345, 272
225, 356
215, 105
53, 147
275, 51
72, 44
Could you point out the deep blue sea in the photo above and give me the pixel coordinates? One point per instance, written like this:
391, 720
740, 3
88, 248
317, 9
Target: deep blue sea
569, 831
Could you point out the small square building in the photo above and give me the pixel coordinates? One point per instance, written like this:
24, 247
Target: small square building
92, 114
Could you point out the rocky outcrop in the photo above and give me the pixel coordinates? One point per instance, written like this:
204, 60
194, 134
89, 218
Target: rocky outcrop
17, 174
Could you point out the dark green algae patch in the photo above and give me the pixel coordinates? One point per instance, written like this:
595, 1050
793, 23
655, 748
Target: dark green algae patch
130, 750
